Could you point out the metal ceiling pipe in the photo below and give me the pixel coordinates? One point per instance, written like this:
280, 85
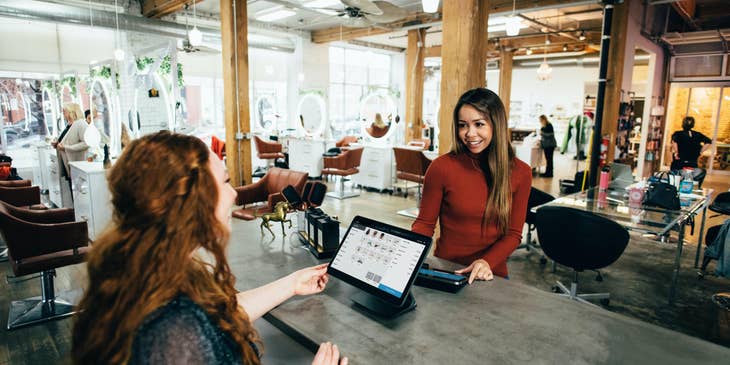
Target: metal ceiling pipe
69, 14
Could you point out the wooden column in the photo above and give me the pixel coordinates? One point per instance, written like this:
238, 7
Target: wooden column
234, 31
415, 54
505, 78
463, 64
614, 76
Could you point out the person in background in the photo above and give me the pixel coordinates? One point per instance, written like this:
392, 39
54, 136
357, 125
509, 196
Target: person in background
160, 289
548, 144
478, 191
688, 145
72, 146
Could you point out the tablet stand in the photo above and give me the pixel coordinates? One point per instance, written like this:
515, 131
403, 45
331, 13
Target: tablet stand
382, 308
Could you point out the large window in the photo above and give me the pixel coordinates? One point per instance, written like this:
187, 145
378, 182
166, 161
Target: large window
353, 75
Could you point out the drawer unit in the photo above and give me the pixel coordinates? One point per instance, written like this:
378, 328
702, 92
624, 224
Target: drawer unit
306, 156
59, 191
376, 168
92, 201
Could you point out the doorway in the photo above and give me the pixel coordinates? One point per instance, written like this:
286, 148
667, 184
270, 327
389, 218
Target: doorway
709, 104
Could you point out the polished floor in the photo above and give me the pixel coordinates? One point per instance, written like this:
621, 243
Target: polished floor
638, 281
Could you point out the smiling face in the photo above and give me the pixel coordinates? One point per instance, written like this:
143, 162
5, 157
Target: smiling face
474, 129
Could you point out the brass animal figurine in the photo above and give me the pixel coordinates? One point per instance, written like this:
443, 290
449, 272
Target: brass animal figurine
278, 215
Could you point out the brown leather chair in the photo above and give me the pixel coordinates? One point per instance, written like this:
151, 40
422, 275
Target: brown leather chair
343, 165
40, 242
423, 143
267, 189
411, 165
269, 151
20, 193
345, 141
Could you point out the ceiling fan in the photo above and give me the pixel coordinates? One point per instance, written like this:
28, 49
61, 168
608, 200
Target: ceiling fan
364, 13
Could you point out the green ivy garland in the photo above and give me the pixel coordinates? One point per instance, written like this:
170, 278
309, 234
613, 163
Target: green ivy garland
165, 67
103, 72
52, 87
70, 81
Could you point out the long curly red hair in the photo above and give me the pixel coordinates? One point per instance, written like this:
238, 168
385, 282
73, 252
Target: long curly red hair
164, 196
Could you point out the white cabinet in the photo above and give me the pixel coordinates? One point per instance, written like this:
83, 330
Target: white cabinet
306, 156
59, 192
45, 180
376, 168
92, 201
530, 152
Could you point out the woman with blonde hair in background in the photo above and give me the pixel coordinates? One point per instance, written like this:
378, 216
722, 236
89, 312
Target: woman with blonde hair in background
160, 288
72, 147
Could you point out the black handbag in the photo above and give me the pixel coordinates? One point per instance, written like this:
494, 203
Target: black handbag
662, 195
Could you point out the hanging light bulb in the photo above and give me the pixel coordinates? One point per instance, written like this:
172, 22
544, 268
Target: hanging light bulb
547, 41
528, 51
119, 54
513, 24
565, 48
430, 6
544, 71
195, 37
582, 35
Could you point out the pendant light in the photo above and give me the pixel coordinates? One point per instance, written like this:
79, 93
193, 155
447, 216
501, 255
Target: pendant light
195, 37
118, 52
544, 71
513, 24
430, 6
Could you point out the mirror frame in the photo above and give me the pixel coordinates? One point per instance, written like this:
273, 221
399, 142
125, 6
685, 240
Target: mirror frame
113, 130
322, 106
365, 123
272, 102
47, 97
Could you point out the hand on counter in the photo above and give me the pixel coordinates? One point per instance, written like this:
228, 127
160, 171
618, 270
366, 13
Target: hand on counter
311, 280
479, 270
328, 354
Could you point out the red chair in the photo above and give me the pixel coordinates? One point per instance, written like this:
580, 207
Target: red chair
411, 165
343, 165
39, 241
267, 189
346, 141
269, 151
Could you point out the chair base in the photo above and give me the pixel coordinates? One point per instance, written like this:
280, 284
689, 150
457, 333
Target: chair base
34, 310
410, 212
342, 194
572, 293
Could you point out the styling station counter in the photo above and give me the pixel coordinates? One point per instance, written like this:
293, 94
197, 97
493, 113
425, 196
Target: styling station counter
59, 191
305, 155
92, 201
488, 322
376, 168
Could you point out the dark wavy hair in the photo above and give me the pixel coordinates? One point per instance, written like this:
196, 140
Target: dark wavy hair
164, 198
688, 123
497, 158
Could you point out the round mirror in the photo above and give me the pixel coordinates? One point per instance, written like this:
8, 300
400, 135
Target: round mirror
154, 111
265, 113
101, 109
311, 114
377, 114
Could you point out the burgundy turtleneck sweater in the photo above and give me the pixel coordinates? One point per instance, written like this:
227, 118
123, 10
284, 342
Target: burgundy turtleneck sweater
455, 192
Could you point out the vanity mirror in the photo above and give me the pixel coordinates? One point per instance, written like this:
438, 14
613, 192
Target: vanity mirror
265, 113
101, 110
378, 114
312, 114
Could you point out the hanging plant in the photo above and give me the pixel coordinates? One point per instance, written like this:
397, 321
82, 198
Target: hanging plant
319, 92
52, 87
70, 81
166, 68
143, 62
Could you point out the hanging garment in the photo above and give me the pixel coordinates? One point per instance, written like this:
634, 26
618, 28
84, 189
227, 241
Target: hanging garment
719, 250
578, 129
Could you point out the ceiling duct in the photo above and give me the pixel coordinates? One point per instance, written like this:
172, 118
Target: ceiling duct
68, 14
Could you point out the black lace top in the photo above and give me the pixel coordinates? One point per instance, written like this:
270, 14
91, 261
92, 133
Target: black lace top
182, 333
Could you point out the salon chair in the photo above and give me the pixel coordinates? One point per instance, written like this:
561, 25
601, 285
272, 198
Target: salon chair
268, 151
20, 193
346, 141
343, 165
39, 241
267, 189
537, 197
592, 242
411, 165
423, 143
721, 206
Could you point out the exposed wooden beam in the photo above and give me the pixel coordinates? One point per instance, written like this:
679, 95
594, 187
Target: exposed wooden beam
433, 51
343, 33
463, 61
414, 82
160, 8
686, 9
505, 78
236, 114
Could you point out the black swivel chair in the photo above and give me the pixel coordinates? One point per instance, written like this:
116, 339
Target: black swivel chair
537, 197
721, 206
591, 243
